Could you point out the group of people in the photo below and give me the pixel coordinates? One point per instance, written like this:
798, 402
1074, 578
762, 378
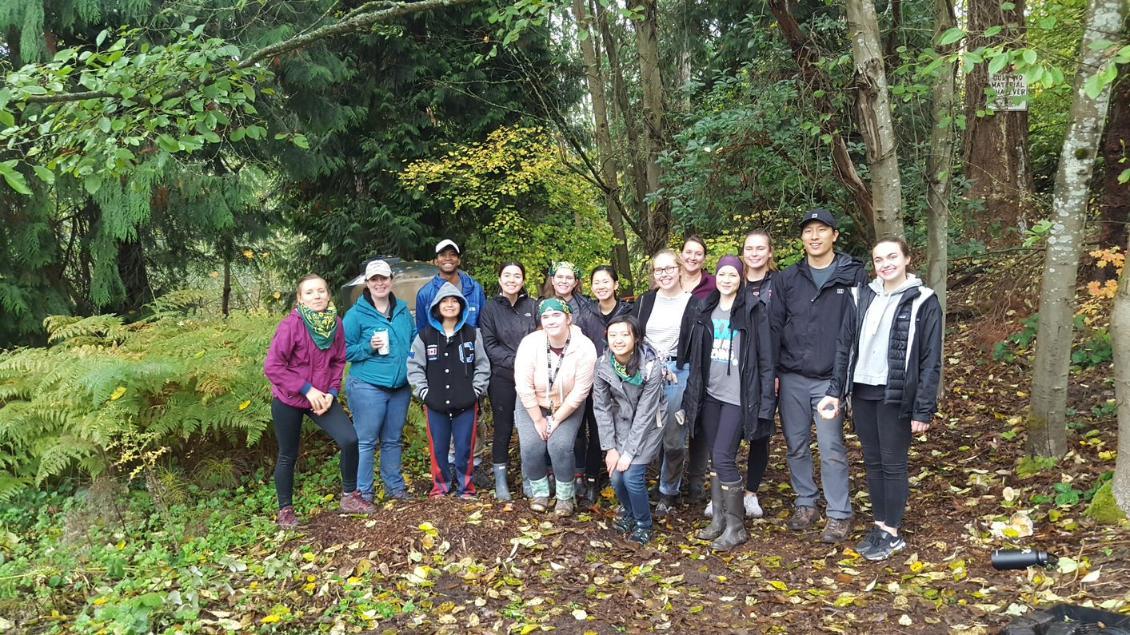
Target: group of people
599, 388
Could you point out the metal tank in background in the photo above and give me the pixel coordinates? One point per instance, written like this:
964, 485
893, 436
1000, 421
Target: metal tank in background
407, 278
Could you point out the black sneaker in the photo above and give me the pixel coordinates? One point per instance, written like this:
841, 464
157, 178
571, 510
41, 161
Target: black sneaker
624, 522
870, 540
888, 545
642, 535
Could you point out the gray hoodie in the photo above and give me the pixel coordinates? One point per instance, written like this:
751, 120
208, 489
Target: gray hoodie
875, 336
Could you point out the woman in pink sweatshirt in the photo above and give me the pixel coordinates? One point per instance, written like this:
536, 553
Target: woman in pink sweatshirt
304, 365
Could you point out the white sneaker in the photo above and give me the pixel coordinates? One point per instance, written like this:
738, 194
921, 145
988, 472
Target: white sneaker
752, 508
709, 511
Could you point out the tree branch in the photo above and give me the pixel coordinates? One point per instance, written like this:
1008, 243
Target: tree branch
352, 23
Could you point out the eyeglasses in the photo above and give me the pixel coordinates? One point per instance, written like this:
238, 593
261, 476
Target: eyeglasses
671, 269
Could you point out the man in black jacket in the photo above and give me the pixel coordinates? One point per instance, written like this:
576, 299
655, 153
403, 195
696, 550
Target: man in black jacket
810, 301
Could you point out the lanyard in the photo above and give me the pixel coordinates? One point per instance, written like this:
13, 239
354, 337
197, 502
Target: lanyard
550, 371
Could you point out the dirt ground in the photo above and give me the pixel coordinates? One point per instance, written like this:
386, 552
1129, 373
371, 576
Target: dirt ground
485, 566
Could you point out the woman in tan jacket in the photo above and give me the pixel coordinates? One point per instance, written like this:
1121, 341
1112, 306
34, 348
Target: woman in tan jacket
553, 374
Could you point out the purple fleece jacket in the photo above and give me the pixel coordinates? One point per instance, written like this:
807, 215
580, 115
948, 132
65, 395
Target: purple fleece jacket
295, 364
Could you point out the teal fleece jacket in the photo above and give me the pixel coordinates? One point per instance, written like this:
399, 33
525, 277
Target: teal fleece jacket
361, 321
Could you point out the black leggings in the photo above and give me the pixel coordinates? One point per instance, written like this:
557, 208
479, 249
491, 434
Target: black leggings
758, 461
588, 458
885, 438
503, 398
722, 424
288, 432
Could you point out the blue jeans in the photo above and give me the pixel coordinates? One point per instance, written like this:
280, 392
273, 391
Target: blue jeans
443, 429
378, 415
631, 491
675, 436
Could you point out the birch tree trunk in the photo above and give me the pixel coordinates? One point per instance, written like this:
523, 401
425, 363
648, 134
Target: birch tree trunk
874, 107
654, 116
1120, 337
609, 168
939, 168
1047, 434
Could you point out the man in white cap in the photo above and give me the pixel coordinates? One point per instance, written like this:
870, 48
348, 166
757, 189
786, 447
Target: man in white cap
448, 258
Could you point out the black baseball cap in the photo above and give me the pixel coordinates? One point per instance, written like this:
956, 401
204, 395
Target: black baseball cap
819, 214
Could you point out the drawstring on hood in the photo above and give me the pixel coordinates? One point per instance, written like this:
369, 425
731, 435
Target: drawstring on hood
885, 302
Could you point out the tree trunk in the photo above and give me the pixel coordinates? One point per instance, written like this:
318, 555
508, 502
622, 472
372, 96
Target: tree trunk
609, 169
806, 57
939, 167
638, 170
225, 304
1120, 339
874, 107
1114, 199
654, 116
134, 275
1047, 432
996, 144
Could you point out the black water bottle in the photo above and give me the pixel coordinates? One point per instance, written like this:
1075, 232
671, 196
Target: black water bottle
1007, 559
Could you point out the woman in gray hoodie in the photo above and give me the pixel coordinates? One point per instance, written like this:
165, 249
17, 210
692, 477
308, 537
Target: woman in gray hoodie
889, 358
629, 403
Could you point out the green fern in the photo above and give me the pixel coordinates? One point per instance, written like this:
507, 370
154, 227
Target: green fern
107, 396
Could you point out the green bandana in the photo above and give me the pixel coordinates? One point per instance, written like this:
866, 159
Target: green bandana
321, 326
554, 304
622, 372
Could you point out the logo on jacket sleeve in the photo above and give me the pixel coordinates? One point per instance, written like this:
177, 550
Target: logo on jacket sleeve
433, 351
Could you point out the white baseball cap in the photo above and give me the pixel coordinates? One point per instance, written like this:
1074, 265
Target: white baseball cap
447, 242
377, 268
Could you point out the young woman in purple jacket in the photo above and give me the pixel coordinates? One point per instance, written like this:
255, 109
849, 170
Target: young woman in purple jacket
304, 365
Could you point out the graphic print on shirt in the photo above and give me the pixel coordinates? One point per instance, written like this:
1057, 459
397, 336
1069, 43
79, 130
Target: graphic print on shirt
722, 351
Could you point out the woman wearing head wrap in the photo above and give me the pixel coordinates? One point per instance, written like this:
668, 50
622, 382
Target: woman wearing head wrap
553, 374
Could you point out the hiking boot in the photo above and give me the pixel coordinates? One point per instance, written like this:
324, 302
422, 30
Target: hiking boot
752, 506
642, 535
836, 530
666, 505
354, 503
539, 503
501, 490
565, 507
886, 546
625, 522
287, 519
735, 533
467, 496
718, 520
696, 492
803, 517
588, 495
402, 495
480, 477
870, 541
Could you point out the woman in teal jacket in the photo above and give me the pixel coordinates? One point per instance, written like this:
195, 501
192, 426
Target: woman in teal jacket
379, 331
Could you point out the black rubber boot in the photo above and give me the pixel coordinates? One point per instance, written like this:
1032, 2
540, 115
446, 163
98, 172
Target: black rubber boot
735, 533
718, 520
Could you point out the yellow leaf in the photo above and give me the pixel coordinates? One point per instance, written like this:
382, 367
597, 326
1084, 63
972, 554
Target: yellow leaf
117, 394
777, 584
270, 619
244, 405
